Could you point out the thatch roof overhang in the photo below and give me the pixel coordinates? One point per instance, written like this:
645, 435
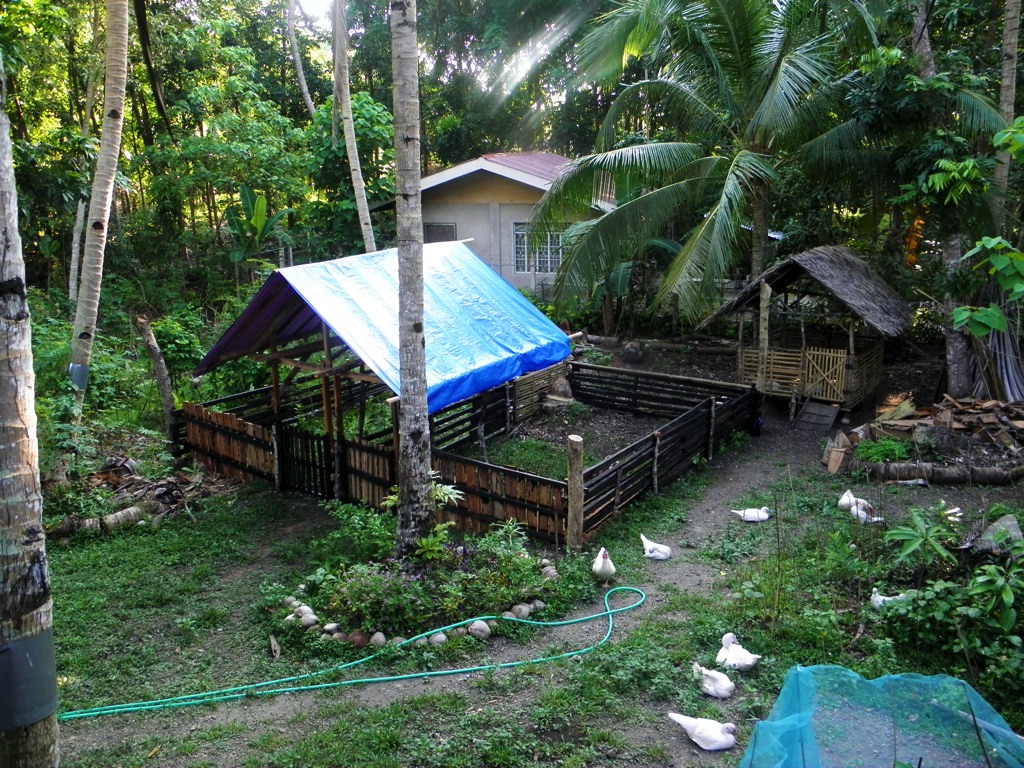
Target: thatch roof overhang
845, 276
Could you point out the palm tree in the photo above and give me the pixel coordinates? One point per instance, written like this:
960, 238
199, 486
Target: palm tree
343, 107
414, 425
754, 79
28, 716
87, 309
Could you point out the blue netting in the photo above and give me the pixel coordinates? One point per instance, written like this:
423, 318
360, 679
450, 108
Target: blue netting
830, 716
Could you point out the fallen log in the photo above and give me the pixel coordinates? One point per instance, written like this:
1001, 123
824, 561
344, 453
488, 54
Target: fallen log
937, 474
72, 524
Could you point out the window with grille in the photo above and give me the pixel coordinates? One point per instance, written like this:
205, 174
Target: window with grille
545, 258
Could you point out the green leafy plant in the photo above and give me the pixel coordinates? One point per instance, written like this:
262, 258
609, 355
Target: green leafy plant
595, 356
997, 587
923, 542
250, 226
883, 449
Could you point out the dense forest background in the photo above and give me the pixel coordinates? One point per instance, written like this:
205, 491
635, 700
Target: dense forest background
214, 107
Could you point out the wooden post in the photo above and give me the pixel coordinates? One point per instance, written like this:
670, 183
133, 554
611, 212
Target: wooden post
654, 463
508, 407
762, 357
278, 480
574, 523
325, 393
396, 406
711, 430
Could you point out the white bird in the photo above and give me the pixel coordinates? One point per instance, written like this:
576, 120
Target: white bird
603, 567
654, 550
878, 599
735, 656
707, 734
713, 682
953, 515
862, 512
753, 514
846, 500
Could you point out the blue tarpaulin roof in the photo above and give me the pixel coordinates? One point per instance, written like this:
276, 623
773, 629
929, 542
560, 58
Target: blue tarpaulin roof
480, 331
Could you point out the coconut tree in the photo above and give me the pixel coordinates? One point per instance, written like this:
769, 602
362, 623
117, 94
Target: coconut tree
28, 720
87, 309
754, 80
414, 476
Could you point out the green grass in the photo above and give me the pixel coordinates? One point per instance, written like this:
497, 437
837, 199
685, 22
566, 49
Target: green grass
171, 610
180, 609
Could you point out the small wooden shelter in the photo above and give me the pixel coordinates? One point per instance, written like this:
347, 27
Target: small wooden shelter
820, 322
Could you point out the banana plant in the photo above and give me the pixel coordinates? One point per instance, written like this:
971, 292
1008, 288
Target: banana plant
251, 226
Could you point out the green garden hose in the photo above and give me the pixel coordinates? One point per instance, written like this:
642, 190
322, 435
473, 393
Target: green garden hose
288, 684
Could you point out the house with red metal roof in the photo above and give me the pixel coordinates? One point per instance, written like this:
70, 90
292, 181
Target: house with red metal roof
487, 202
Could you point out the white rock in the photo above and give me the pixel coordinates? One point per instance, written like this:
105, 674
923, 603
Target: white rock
304, 610
521, 611
492, 623
291, 617
308, 619
378, 640
420, 641
538, 605
290, 601
438, 638
480, 630
398, 640
507, 615
544, 563
332, 627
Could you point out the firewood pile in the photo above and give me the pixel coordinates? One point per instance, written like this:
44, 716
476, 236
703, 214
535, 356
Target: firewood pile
137, 499
989, 421
953, 442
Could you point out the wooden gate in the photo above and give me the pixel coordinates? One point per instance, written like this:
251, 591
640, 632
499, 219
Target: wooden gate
824, 374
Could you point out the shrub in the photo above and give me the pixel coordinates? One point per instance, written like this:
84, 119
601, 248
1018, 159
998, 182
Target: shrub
380, 597
883, 449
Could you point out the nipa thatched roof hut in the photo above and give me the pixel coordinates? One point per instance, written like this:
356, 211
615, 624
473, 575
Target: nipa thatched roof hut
823, 317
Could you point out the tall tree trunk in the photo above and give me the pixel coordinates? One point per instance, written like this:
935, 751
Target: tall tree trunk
1007, 88
28, 672
300, 75
87, 309
759, 231
343, 101
91, 89
414, 424
959, 357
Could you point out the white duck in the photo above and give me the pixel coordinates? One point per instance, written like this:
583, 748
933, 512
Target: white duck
713, 682
846, 500
654, 550
707, 734
753, 514
603, 567
735, 656
863, 512
878, 600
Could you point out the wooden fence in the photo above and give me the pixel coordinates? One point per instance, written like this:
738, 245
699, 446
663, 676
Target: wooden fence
831, 375
699, 415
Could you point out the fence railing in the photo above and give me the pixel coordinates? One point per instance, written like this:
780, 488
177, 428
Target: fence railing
699, 415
